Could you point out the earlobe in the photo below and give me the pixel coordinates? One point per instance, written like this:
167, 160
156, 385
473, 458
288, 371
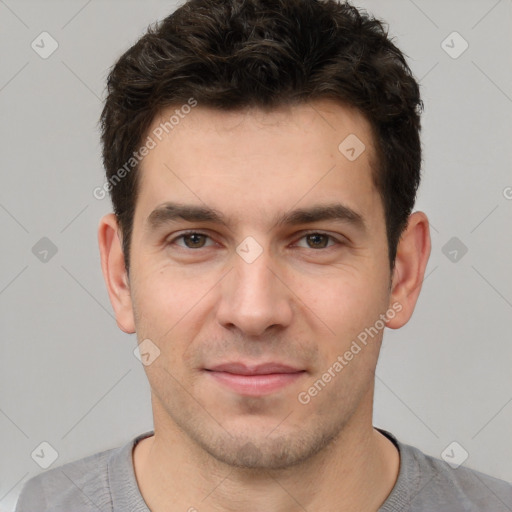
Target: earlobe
114, 272
411, 261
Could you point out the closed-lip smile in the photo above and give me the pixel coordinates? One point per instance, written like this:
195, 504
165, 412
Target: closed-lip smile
254, 379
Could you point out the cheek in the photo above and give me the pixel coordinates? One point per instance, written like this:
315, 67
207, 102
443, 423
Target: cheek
157, 318
349, 354
165, 296
345, 302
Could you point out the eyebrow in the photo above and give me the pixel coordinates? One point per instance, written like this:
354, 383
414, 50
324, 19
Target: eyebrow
171, 211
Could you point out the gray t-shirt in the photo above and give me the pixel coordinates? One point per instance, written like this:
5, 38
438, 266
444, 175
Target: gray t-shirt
106, 482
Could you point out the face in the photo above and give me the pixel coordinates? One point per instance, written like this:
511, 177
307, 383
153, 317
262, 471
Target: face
254, 295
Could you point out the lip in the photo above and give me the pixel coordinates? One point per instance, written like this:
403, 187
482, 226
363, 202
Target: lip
240, 368
254, 380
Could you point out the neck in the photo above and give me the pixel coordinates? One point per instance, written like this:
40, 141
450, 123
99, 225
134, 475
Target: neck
356, 471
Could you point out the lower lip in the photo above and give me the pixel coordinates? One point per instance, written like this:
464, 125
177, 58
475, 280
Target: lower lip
255, 385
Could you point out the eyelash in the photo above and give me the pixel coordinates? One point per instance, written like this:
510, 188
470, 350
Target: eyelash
308, 233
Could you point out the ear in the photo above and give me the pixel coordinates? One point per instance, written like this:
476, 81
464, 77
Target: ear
114, 272
412, 256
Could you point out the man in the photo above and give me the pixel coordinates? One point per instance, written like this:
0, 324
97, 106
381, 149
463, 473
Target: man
263, 158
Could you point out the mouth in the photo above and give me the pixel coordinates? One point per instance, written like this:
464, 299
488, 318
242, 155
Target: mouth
254, 380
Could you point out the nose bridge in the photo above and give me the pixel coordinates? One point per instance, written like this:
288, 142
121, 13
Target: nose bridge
254, 280
253, 298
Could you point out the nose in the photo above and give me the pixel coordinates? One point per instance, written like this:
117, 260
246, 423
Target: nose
255, 297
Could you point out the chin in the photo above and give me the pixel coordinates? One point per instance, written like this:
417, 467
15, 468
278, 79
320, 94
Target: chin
261, 452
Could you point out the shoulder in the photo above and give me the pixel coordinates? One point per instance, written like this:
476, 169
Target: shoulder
79, 485
476, 490
427, 483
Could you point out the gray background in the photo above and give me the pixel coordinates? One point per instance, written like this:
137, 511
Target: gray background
68, 375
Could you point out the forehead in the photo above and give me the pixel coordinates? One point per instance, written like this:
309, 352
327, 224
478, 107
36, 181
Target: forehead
325, 119
253, 163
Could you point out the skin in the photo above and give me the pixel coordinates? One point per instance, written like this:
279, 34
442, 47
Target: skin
301, 302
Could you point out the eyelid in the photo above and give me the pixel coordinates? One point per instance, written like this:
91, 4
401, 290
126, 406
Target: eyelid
188, 232
339, 241
303, 234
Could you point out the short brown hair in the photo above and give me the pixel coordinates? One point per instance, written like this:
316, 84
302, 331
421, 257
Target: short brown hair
231, 54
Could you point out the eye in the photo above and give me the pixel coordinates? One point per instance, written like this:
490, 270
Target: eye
198, 240
192, 240
318, 240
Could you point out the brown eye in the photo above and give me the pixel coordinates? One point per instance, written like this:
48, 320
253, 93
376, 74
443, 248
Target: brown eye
318, 240
191, 240
194, 240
